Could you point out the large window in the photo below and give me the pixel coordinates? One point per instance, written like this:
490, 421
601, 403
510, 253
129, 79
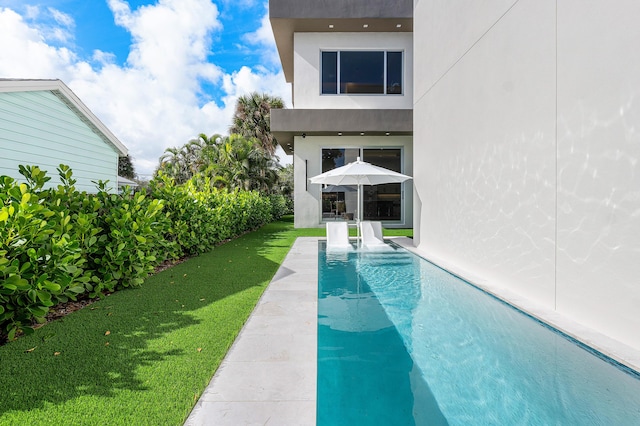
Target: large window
361, 72
383, 202
338, 202
379, 202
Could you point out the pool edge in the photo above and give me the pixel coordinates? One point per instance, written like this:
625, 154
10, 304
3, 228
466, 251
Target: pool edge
619, 353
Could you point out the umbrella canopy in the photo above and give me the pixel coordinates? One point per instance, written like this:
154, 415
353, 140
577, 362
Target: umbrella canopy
359, 173
339, 188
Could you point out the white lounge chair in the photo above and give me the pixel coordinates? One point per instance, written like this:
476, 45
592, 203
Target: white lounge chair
338, 236
371, 232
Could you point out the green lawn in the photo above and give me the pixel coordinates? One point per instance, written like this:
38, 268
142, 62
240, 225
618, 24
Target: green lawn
143, 356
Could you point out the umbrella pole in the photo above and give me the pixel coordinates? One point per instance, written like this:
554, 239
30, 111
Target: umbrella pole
359, 213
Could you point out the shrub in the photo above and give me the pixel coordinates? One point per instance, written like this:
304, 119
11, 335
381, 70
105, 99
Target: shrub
279, 206
59, 244
41, 260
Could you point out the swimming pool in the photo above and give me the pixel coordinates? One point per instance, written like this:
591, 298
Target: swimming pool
403, 342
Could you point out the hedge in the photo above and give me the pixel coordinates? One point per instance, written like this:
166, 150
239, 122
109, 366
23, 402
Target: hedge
60, 244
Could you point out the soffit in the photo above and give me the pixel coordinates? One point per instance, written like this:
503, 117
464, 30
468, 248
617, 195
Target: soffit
290, 16
288, 123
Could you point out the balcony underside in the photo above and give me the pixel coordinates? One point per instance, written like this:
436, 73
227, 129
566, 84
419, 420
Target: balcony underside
287, 123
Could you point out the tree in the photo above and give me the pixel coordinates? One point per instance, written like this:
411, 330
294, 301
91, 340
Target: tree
242, 163
285, 184
230, 162
184, 162
125, 167
252, 119
173, 164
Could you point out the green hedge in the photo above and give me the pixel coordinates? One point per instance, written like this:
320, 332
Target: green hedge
60, 244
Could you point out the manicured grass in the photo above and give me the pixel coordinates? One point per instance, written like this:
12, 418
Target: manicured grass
143, 356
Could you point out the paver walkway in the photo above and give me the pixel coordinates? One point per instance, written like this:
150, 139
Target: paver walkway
268, 377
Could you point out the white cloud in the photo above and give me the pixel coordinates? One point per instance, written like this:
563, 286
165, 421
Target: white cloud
62, 18
263, 37
155, 100
32, 12
24, 53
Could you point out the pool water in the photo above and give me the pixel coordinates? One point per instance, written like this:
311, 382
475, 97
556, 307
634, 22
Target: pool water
403, 342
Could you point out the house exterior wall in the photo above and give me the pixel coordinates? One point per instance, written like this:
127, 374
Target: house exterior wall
367, 113
525, 123
38, 128
307, 48
307, 162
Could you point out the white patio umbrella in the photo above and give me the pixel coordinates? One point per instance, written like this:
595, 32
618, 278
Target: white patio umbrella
338, 188
359, 173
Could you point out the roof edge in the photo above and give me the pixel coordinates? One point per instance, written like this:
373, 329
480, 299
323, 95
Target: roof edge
64, 93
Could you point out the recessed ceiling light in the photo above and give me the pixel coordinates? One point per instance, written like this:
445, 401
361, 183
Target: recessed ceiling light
365, 26
398, 25
387, 133
330, 25
361, 133
339, 133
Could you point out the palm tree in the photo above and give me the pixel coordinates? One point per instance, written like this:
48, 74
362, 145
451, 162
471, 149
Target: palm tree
252, 119
173, 163
242, 163
192, 158
233, 161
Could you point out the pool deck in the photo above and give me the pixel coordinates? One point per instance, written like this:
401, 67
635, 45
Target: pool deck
268, 377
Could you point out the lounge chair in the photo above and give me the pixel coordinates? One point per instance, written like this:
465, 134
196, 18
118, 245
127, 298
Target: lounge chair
371, 232
338, 236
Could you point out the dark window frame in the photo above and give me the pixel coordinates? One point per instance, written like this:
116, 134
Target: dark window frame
385, 202
331, 73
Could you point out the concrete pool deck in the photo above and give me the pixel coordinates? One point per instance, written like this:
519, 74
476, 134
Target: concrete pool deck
268, 377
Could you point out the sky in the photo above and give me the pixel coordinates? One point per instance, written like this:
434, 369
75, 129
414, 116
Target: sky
156, 73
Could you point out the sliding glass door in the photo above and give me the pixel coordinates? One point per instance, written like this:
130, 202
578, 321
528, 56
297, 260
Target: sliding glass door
383, 202
379, 202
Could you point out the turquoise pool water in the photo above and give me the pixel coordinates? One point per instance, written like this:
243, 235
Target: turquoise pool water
402, 342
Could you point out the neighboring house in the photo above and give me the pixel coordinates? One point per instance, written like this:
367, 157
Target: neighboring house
43, 123
351, 72
526, 118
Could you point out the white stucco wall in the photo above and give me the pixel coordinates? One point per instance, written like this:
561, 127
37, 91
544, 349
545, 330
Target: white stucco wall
526, 136
307, 197
306, 63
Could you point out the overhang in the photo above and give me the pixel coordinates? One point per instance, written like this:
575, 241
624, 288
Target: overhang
287, 123
66, 95
290, 16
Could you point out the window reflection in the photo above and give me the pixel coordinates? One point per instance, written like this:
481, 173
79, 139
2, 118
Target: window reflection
361, 72
379, 202
383, 202
339, 203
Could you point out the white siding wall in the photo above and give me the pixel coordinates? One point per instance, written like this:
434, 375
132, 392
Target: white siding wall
307, 199
526, 150
307, 47
37, 128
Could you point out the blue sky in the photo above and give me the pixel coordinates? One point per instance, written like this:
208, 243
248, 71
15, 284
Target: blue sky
157, 73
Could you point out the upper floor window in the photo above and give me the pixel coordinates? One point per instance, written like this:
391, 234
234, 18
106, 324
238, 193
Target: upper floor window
361, 72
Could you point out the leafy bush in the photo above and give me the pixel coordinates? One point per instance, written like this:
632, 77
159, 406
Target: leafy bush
59, 244
41, 261
279, 206
127, 250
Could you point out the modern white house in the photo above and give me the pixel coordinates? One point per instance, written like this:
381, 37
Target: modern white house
527, 115
519, 121
43, 123
350, 65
